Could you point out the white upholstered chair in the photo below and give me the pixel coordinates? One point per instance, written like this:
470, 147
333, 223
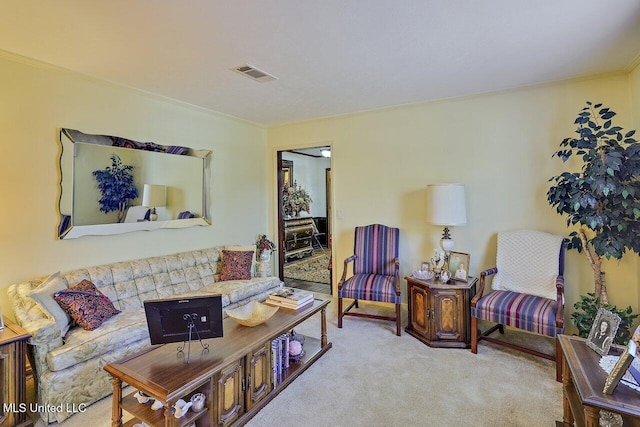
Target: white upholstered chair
138, 213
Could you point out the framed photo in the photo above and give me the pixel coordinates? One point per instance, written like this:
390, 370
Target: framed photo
459, 266
603, 331
632, 351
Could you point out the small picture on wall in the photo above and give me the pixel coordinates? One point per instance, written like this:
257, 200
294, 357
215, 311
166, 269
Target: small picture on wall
459, 266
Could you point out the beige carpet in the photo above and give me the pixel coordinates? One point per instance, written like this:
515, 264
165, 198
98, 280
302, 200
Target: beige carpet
371, 377
311, 269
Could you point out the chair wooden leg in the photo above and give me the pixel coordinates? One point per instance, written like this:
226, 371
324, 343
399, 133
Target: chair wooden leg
339, 312
398, 320
474, 335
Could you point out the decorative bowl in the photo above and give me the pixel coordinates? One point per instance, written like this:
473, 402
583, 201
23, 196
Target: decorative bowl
252, 314
423, 274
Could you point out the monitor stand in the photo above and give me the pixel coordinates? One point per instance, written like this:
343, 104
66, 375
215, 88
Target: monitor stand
191, 326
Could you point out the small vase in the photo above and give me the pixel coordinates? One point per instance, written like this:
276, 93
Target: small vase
265, 256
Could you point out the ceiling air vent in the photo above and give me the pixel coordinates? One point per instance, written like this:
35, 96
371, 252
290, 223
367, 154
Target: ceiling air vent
254, 73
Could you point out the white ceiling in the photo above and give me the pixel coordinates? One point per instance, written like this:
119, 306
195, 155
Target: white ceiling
331, 57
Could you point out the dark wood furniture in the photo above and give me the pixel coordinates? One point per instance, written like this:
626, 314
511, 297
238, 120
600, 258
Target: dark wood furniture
298, 237
439, 312
582, 383
13, 376
235, 373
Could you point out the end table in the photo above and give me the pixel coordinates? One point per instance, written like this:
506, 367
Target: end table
439, 313
13, 376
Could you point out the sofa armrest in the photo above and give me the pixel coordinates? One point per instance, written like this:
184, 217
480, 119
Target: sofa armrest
30, 317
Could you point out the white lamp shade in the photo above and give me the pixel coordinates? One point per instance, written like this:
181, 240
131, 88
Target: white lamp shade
154, 196
446, 204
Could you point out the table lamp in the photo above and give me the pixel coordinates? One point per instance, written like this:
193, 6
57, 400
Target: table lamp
154, 196
446, 207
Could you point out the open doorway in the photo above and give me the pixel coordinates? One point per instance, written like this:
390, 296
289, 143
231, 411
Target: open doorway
304, 225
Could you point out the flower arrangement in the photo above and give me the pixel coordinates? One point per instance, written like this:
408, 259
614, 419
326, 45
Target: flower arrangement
264, 244
295, 199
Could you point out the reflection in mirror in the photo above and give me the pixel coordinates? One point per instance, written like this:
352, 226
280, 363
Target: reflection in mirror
180, 171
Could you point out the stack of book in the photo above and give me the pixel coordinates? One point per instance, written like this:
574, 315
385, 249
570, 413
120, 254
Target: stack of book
291, 298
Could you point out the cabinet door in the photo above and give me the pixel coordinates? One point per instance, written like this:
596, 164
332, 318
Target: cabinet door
420, 310
258, 376
229, 396
448, 315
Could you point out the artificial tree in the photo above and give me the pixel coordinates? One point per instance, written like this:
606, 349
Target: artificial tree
115, 183
603, 199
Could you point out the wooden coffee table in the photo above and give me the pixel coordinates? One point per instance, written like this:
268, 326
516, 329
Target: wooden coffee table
235, 373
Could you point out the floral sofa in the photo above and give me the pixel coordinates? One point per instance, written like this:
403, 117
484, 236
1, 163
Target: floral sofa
68, 360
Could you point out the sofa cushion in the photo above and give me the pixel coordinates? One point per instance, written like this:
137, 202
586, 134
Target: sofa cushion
81, 345
43, 295
238, 290
236, 265
86, 305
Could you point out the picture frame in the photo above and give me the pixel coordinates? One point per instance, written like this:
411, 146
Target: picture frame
603, 331
624, 362
459, 266
1, 320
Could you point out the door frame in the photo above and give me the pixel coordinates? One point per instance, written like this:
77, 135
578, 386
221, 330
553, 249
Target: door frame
280, 213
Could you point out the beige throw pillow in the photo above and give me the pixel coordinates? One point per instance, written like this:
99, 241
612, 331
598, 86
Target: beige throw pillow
43, 295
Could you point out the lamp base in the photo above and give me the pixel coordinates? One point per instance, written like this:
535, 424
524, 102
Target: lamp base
153, 216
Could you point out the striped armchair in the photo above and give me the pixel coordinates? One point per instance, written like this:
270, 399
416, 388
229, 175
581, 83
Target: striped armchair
528, 290
376, 272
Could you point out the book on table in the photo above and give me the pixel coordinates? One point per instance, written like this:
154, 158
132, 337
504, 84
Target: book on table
292, 306
292, 296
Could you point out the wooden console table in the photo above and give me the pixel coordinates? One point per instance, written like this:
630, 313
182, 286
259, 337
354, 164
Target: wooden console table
439, 313
582, 383
234, 373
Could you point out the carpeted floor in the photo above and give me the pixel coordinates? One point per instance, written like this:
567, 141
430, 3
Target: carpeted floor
371, 377
311, 269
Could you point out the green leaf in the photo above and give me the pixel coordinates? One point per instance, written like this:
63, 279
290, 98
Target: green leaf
625, 194
576, 206
610, 171
636, 212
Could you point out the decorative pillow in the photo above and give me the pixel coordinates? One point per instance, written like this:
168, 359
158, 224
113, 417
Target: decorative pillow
86, 305
244, 248
236, 265
43, 295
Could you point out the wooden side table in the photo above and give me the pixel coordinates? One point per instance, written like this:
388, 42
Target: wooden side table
582, 383
439, 313
13, 376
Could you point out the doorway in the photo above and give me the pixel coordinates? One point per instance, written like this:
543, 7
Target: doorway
304, 238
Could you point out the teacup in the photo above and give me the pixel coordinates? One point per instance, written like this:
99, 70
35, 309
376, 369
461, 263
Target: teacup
198, 402
181, 407
142, 398
157, 404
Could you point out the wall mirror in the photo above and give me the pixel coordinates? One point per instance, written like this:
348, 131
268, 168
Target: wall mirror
182, 173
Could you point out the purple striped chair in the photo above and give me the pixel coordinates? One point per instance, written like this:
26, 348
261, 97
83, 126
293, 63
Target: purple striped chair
376, 272
528, 290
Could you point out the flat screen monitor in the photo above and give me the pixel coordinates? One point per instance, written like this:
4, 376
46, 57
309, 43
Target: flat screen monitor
168, 319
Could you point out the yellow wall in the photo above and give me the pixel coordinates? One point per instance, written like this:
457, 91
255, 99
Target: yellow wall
499, 145
37, 100
634, 84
